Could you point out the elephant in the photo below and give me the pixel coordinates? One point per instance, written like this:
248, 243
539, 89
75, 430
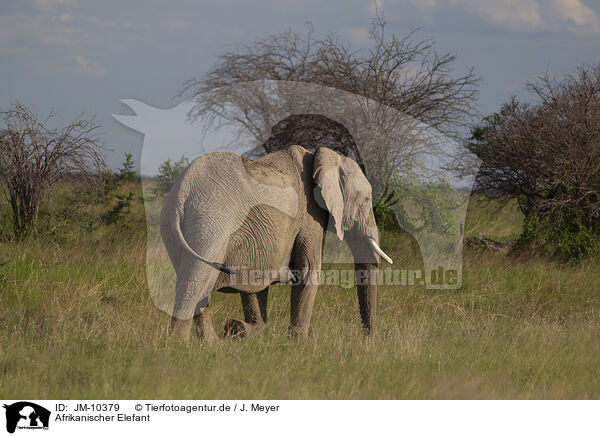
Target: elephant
227, 215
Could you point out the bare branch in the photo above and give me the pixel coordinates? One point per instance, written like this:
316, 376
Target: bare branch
547, 154
34, 156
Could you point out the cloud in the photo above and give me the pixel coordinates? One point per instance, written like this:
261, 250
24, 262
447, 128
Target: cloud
375, 6
577, 16
90, 68
60, 34
106, 24
177, 24
514, 14
67, 17
523, 15
358, 34
49, 5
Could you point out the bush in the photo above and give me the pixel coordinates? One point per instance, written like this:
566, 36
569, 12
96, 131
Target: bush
547, 155
127, 171
563, 237
109, 183
122, 207
35, 156
168, 173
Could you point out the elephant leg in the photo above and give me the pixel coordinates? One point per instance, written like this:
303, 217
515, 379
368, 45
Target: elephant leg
203, 321
301, 306
191, 301
255, 315
180, 328
255, 306
306, 257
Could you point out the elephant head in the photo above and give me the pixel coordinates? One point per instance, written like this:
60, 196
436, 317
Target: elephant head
343, 189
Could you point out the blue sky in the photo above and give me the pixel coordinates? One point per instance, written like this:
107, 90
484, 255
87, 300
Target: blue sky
76, 55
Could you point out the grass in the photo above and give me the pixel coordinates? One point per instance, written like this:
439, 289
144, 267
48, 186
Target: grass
76, 321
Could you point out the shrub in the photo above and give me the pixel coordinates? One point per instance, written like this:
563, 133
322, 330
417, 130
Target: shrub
547, 155
168, 173
127, 171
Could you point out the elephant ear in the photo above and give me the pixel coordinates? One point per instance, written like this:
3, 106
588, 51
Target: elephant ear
328, 189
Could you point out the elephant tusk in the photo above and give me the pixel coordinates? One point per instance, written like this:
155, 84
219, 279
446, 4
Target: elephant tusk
379, 251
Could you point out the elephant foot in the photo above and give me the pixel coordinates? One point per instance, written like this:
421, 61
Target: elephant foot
180, 329
207, 335
297, 333
204, 329
234, 328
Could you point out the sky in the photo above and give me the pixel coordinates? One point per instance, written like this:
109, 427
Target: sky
85, 56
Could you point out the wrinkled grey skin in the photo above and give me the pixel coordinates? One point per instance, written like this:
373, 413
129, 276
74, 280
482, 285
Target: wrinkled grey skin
265, 214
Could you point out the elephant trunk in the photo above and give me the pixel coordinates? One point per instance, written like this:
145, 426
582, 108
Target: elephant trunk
366, 254
366, 289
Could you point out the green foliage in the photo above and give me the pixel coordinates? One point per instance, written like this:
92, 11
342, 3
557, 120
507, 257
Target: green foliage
560, 235
78, 206
122, 207
385, 216
168, 173
424, 206
109, 182
127, 171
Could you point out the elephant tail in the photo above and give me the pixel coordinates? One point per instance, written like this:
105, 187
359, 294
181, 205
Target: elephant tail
176, 228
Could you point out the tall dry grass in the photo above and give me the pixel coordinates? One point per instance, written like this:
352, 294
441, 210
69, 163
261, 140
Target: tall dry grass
76, 321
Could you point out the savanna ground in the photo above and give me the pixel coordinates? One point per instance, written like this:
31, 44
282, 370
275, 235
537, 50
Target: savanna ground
76, 321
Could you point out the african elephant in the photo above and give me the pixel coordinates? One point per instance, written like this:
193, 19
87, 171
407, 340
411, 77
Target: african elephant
227, 216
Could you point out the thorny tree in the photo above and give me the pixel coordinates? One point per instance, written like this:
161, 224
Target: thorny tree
401, 73
34, 156
547, 155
